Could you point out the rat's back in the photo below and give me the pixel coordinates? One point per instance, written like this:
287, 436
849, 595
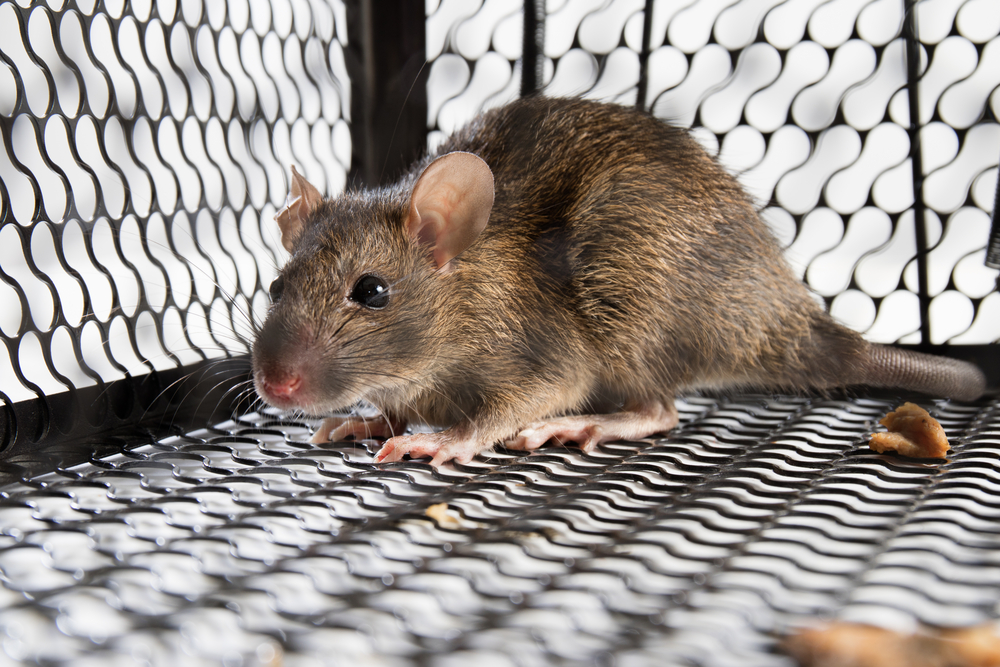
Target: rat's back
653, 251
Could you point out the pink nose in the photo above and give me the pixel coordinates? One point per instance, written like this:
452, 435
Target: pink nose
283, 388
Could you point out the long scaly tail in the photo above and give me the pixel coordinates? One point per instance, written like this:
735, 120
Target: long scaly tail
938, 376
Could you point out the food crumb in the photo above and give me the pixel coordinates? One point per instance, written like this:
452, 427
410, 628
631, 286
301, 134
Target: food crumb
857, 645
911, 432
439, 513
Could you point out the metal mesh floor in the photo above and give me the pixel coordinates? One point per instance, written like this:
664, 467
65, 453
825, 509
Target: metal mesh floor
242, 544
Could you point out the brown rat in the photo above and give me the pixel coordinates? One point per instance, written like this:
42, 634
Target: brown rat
557, 270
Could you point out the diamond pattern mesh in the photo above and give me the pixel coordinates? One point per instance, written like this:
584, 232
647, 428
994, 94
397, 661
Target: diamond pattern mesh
805, 102
241, 543
144, 150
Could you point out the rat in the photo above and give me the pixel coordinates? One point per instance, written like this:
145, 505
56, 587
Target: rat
558, 270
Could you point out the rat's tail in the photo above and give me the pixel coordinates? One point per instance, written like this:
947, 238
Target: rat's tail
929, 374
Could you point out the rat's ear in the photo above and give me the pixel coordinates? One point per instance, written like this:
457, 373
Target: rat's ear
302, 200
450, 205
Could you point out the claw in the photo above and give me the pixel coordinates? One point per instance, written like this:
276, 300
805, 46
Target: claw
388, 453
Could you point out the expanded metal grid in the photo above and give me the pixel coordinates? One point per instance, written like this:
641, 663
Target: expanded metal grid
144, 153
807, 103
244, 544
144, 150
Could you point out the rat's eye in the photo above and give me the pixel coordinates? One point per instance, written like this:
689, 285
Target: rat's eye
371, 292
276, 288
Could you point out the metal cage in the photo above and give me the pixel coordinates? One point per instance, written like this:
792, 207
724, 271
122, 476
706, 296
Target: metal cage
146, 516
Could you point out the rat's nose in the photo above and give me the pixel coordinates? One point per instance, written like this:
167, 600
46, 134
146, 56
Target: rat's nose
283, 388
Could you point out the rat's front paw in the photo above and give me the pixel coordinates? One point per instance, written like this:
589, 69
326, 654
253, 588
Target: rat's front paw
441, 447
335, 429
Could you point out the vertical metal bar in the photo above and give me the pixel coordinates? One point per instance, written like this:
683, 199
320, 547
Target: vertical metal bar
533, 48
910, 34
647, 29
386, 56
993, 248
357, 59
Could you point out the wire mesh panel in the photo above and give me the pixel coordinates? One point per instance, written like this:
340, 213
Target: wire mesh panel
144, 150
246, 545
807, 103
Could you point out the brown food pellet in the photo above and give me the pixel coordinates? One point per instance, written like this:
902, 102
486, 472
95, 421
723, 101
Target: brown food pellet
911, 432
856, 645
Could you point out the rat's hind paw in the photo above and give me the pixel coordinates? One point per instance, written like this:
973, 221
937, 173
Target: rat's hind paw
442, 447
591, 430
335, 429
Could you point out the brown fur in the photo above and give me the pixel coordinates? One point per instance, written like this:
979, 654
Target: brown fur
621, 264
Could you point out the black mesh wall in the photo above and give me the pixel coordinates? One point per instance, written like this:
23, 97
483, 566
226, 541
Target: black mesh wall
808, 103
148, 517
145, 148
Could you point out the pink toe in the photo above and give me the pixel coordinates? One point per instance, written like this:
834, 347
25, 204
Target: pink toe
387, 454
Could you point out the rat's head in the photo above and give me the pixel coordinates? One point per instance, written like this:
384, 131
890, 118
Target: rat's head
360, 308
